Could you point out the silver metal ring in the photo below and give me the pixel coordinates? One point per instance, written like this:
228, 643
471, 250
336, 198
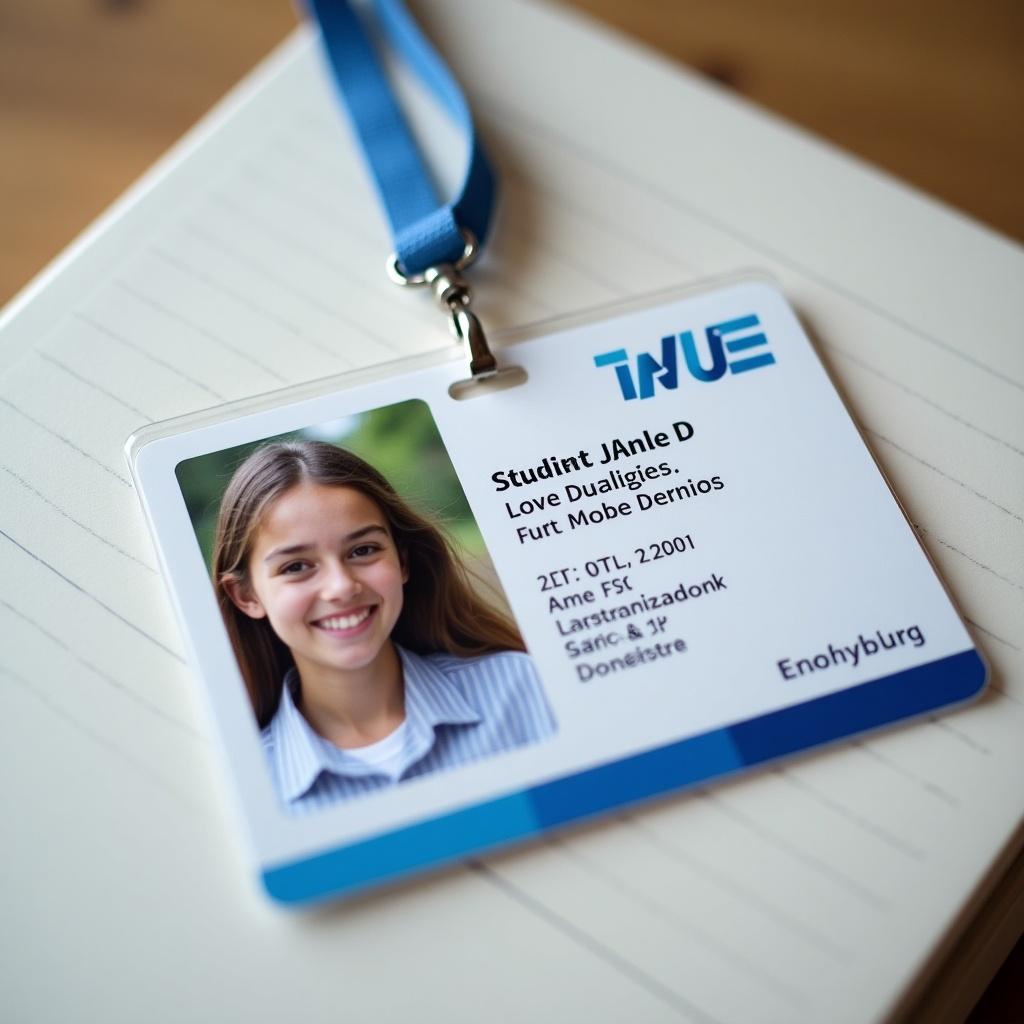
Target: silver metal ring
398, 276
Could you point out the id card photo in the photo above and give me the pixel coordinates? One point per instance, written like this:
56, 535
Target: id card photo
368, 624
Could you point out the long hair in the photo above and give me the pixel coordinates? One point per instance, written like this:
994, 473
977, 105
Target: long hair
440, 611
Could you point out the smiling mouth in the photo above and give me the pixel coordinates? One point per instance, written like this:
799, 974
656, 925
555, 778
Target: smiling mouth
345, 623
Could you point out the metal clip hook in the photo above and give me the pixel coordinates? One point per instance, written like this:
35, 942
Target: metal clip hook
466, 327
454, 295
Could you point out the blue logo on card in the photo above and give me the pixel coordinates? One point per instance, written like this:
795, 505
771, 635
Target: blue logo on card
729, 347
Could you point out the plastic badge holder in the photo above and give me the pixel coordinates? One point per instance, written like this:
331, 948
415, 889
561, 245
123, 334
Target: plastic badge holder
706, 565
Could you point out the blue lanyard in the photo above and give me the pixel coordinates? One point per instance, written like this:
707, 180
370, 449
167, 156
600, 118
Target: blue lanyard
426, 232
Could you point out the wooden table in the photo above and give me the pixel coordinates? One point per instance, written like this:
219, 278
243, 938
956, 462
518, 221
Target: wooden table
93, 92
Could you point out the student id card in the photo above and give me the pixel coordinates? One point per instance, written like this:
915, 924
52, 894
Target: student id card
428, 625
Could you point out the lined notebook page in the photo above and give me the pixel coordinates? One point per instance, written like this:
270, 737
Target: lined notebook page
251, 259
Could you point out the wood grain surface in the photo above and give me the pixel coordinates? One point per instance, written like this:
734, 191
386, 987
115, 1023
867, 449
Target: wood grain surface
92, 92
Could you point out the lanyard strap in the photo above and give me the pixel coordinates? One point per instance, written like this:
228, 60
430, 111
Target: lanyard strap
427, 233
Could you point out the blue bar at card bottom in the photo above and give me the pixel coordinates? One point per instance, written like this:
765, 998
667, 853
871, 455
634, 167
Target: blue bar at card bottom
678, 765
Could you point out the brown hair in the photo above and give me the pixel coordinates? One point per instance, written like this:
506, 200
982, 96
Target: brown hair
440, 612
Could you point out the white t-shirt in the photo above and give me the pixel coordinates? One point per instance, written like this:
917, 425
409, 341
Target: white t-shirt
386, 756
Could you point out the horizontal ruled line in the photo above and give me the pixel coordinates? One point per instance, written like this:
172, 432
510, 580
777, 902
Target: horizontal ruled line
66, 441
92, 597
71, 519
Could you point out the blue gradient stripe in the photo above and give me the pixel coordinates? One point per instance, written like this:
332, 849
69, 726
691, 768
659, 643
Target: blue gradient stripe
484, 826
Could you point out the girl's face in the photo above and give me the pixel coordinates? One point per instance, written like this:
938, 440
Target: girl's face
325, 571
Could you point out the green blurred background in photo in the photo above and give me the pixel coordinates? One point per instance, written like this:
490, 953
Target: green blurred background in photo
400, 440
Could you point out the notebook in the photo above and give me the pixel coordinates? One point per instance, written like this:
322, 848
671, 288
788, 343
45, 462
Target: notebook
250, 258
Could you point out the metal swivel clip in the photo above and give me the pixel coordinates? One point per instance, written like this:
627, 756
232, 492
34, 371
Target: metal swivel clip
453, 294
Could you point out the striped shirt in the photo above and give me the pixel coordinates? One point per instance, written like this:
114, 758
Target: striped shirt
457, 710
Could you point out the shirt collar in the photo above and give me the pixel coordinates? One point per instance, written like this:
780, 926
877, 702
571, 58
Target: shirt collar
300, 754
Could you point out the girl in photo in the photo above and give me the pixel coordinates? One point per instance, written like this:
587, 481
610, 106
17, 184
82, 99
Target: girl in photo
368, 657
